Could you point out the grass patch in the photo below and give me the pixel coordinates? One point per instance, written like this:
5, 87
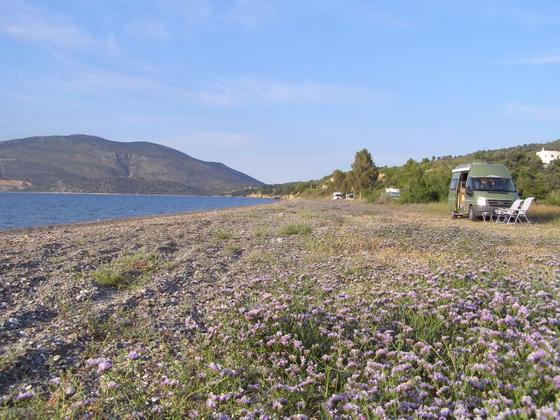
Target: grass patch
126, 271
295, 229
262, 233
259, 258
541, 213
223, 235
305, 215
234, 250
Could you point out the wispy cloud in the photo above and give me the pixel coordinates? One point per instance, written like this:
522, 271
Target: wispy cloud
117, 81
195, 13
148, 29
22, 20
524, 13
535, 112
251, 14
246, 91
223, 93
381, 18
538, 60
205, 14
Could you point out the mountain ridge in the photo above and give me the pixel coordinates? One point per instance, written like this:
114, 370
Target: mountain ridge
85, 163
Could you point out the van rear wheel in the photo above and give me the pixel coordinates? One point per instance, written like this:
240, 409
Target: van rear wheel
472, 217
453, 215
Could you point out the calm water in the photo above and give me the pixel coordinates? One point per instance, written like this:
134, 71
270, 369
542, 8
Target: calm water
36, 209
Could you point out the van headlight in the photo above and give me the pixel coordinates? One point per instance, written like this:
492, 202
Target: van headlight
480, 201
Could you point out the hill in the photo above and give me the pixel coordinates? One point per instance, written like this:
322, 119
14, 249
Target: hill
428, 180
81, 163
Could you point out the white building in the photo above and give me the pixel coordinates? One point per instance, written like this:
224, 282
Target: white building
393, 192
548, 156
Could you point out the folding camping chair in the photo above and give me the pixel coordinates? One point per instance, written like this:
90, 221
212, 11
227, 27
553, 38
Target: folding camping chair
503, 215
522, 212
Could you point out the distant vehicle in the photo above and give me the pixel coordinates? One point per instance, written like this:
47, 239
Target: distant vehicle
478, 188
393, 193
337, 196
349, 196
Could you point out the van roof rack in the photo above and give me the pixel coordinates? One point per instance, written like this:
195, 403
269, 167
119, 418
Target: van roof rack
462, 168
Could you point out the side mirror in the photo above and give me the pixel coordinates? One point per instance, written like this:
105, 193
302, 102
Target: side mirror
468, 191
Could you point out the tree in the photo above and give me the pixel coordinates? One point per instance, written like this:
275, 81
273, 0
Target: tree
413, 189
553, 175
364, 173
339, 180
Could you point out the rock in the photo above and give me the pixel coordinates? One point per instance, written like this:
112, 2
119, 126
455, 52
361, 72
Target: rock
13, 322
54, 381
69, 390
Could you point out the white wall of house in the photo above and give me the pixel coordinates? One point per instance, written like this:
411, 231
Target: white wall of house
548, 156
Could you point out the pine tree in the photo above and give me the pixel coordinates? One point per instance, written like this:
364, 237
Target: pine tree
364, 173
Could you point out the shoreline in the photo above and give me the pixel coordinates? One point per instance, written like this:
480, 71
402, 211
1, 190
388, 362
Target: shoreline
124, 194
28, 229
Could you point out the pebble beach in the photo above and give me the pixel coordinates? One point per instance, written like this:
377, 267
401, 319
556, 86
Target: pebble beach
297, 309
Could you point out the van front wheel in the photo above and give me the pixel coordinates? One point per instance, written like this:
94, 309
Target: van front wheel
472, 217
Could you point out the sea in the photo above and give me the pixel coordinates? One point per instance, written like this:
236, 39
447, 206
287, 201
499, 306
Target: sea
19, 209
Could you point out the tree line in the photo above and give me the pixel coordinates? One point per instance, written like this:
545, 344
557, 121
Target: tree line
428, 180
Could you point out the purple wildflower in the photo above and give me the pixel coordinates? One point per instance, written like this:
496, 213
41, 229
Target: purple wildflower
133, 355
25, 396
104, 366
536, 356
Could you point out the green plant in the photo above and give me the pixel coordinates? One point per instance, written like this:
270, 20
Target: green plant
372, 196
125, 271
234, 250
553, 198
223, 235
295, 229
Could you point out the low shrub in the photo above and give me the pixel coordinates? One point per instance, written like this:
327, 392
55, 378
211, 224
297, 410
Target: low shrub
553, 198
125, 271
295, 229
223, 235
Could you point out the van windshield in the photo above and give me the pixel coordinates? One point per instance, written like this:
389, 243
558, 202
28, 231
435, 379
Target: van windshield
493, 184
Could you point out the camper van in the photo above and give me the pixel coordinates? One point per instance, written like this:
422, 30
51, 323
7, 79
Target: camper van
478, 188
393, 193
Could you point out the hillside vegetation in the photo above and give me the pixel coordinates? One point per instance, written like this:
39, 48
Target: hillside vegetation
428, 180
80, 163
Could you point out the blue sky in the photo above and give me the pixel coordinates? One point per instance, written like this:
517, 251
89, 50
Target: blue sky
289, 89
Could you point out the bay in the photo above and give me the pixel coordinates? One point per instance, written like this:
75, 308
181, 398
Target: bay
18, 210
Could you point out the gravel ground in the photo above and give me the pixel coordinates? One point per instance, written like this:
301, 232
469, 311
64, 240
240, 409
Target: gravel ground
246, 312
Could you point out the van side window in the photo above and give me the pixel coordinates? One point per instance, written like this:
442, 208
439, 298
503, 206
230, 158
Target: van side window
454, 182
470, 182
